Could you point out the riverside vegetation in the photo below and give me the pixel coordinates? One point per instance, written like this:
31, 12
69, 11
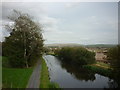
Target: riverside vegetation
76, 55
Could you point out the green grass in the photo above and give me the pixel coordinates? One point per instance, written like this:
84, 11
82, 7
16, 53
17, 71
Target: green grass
99, 70
101, 64
53, 85
14, 77
44, 79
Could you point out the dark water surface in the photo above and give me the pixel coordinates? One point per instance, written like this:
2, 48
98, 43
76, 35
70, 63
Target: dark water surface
68, 76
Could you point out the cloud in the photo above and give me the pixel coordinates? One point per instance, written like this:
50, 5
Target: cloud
37, 10
72, 4
26, 7
70, 22
49, 23
60, 0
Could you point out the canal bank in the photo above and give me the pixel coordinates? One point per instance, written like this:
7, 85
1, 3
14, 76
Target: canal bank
44, 79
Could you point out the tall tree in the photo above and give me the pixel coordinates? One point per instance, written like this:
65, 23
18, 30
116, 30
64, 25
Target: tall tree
114, 58
25, 42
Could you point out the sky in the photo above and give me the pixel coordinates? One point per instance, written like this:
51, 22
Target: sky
69, 22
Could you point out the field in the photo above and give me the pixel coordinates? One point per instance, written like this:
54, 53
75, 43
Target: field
14, 77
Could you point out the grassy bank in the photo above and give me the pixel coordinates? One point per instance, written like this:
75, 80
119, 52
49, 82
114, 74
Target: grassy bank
44, 79
102, 65
14, 77
99, 69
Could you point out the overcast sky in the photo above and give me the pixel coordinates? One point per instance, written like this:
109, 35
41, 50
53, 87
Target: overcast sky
64, 22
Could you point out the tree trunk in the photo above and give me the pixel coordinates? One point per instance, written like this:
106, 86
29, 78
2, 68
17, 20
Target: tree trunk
25, 50
26, 59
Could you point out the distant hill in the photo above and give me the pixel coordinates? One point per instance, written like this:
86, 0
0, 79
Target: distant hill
101, 45
77, 45
63, 45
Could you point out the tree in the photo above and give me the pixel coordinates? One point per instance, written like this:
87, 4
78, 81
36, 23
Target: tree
114, 58
25, 43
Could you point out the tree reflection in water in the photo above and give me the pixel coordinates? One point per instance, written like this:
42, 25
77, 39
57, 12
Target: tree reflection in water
84, 74
78, 72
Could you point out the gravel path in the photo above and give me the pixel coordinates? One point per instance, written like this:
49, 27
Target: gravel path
34, 80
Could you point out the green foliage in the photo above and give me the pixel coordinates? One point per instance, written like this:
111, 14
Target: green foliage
44, 79
15, 78
114, 57
25, 43
5, 62
53, 85
104, 65
77, 55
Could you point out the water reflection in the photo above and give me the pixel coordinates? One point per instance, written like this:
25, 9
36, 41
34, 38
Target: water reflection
78, 72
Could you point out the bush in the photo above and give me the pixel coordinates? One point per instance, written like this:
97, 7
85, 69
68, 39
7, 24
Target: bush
77, 55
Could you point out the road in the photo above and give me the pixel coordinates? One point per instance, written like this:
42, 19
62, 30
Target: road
34, 80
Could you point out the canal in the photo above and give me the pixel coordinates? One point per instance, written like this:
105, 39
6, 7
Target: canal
71, 76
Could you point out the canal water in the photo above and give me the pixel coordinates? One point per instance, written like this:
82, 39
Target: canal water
69, 76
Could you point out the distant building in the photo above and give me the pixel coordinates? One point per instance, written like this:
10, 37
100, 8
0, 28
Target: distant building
100, 54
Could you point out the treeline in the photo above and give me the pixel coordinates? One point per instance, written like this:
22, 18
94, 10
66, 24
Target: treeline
76, 55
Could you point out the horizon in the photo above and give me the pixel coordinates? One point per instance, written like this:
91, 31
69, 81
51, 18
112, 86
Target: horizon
80, 44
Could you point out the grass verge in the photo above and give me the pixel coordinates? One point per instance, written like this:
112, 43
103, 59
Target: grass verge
44, 79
